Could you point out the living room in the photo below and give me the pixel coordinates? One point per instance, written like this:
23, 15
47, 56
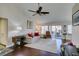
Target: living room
25, 24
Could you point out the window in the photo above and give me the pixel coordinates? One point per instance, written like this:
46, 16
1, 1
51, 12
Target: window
58, 28
69, 29
53, 28
44, 29
50, 28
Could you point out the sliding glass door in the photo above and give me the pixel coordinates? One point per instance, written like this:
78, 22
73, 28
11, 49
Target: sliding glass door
56, 31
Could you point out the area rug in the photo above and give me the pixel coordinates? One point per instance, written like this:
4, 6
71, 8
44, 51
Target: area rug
5, 51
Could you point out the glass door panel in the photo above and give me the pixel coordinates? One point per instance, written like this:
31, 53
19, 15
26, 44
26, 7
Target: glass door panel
56, 31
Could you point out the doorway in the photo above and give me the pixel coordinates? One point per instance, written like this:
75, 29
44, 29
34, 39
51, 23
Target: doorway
3, 31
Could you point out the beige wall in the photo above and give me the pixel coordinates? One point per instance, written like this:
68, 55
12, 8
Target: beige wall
3, 31
75, 35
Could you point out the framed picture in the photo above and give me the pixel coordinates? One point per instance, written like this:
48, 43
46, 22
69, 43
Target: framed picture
75, 18
29, 24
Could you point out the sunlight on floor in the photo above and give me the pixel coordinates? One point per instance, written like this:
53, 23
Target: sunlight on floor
47, 45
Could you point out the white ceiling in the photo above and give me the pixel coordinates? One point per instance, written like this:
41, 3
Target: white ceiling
58, 11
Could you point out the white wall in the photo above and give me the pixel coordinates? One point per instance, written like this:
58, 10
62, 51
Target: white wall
59, 22
75, 34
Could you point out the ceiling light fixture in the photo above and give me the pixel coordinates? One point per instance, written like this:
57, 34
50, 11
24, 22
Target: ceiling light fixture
19, 28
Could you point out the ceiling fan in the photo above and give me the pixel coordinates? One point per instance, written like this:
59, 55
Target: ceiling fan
39, 11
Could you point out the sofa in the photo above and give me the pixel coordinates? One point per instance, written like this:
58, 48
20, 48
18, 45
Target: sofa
32, 37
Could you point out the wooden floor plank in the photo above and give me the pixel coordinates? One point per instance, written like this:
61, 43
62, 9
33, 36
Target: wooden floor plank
27, 51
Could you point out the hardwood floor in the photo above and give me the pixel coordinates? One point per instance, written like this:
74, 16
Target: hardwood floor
27, 51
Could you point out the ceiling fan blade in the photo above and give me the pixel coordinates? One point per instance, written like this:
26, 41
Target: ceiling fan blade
44, 12
33, 14
31, 11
